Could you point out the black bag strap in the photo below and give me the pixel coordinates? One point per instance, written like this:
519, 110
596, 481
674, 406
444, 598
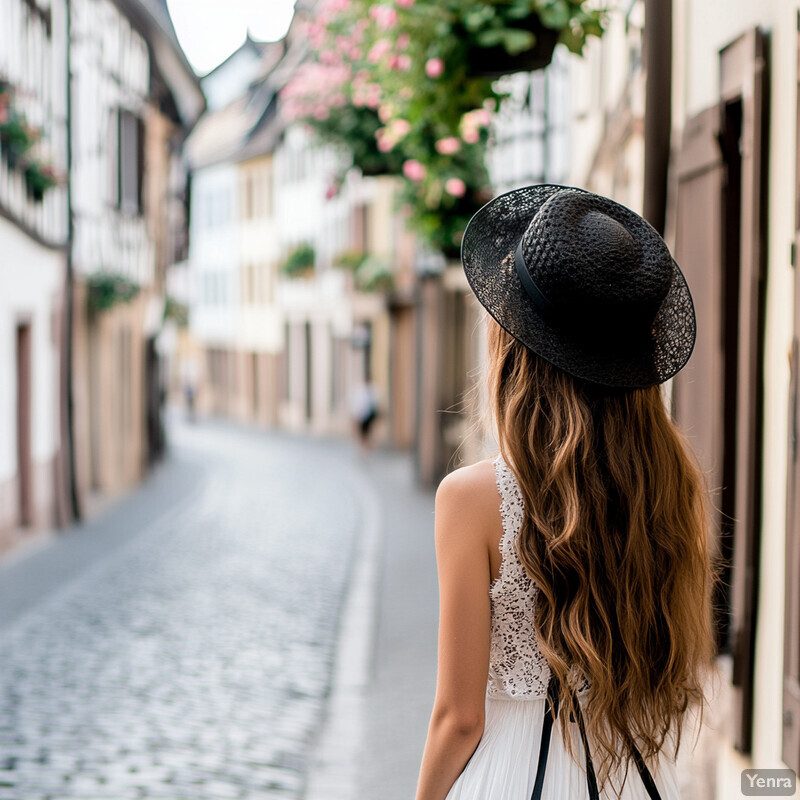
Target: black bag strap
544, 748
551, 712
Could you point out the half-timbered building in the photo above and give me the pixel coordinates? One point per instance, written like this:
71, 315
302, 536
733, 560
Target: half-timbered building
134, 97
33, 258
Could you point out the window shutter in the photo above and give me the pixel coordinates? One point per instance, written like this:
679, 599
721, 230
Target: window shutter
698, 397
719, 396
744, 81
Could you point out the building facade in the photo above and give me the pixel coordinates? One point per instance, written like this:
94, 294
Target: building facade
732, 222
134, 98
33, 261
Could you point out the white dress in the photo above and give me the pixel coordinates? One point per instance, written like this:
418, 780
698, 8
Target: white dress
503, 766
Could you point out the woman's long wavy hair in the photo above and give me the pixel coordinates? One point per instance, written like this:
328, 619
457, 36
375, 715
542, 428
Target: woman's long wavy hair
616, 537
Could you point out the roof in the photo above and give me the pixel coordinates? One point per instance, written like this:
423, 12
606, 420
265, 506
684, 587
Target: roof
221, 135
153, 19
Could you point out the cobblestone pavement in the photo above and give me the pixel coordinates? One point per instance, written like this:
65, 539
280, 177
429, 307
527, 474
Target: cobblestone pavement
193, 661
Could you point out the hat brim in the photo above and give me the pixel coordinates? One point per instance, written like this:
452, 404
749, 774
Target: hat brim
487, 254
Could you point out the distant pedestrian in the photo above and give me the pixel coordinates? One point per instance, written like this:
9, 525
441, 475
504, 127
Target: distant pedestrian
575, 579
364, 408
189, 396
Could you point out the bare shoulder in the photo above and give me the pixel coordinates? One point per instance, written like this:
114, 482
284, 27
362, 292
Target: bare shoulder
470, 493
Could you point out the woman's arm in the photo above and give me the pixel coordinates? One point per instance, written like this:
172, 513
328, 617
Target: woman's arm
462, 559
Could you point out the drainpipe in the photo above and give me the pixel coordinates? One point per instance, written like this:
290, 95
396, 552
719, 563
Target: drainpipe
658, 108
69, 302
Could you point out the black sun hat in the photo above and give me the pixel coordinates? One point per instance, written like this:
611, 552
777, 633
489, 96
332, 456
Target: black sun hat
582, 281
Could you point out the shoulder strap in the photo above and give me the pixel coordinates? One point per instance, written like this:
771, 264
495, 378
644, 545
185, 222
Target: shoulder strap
551, 711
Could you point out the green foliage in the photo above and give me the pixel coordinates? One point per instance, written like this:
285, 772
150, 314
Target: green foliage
374, 274
299, 261
350, 260
18, 139
354, 130
176, 311
39, 178
16, 136
409, 89
106, 289
370, 273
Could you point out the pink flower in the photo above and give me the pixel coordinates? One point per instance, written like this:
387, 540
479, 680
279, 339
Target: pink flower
471, 136
413, 170
405, 3
400, 128
355, 54
403, 40
379, 50
404, 62
385, 113
434, 67
385, 144
455, 187
384, 16
448, 146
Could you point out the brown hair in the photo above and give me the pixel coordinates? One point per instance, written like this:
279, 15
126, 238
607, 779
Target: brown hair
616, 537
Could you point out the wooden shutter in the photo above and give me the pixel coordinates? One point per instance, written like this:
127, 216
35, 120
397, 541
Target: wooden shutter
721, 228
744, 81
698, 400
791, 642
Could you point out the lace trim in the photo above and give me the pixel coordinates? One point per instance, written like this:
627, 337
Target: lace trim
517, 667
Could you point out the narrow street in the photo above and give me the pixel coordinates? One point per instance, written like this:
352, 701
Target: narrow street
180, 644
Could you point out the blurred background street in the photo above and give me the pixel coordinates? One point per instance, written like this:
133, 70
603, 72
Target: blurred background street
192, 658
238, 353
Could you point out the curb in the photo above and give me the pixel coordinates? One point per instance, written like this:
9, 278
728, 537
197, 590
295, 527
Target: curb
335, 765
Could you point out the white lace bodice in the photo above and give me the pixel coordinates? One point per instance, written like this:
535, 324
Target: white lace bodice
517, 667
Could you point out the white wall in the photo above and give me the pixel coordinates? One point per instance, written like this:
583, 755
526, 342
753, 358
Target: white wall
303, 173
531, 128
260, 327
111, 69
214, 254
31, 277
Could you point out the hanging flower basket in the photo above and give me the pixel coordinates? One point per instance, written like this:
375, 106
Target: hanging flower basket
106, 289
496, 61
38, 179
16, 137
300, 262
426, 71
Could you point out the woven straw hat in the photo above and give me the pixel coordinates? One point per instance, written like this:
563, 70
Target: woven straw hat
584, 282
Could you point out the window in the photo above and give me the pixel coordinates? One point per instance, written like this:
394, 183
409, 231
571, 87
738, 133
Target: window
130, 162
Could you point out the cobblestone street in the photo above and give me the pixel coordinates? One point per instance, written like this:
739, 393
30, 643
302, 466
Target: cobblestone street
192, 659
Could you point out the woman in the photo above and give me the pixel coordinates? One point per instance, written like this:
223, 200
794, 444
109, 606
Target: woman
577, 562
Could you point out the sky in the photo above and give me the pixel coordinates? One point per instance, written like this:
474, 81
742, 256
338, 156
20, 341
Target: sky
210, 30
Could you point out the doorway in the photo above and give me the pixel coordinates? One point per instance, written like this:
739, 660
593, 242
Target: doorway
24, 460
